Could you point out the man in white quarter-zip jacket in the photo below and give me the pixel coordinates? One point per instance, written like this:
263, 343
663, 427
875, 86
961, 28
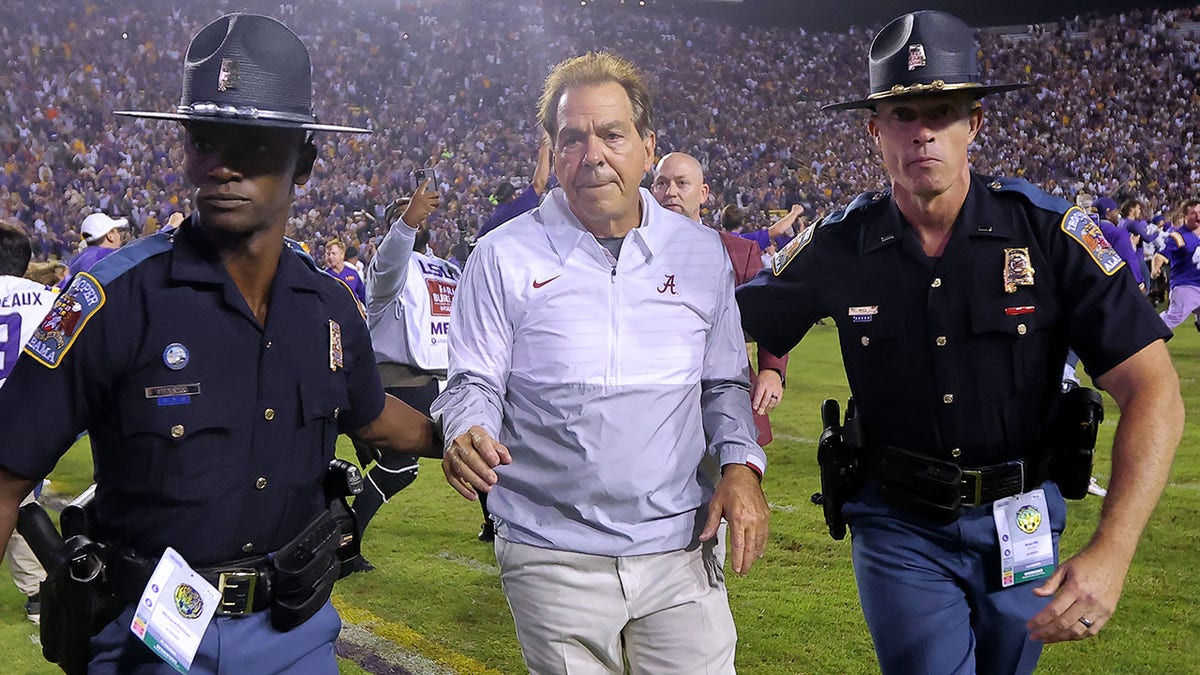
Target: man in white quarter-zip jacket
596, 357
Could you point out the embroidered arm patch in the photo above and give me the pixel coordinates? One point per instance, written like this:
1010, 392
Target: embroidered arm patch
785, 255
70, 313
1084, 230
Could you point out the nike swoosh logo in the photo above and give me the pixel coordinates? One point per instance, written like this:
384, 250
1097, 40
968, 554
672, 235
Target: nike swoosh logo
539, 284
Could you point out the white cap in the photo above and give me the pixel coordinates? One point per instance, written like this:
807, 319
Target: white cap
97, 225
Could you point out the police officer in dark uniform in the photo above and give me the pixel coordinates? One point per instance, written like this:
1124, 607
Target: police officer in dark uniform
214, 367
956, 297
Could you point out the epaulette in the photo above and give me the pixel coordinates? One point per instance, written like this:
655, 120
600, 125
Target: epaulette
1030, 192
863, 200
131, 255
788, 253
298, 248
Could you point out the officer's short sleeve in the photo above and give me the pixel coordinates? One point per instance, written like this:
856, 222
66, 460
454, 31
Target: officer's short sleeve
363, 386
56, 384
783, 301
1109, 317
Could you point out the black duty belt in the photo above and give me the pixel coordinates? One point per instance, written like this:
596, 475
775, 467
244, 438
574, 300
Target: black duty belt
948, 484
245, 585
986, 484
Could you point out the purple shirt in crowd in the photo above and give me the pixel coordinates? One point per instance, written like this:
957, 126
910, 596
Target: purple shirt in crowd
84, 261
1118, 237
764, 239
353, 279
1184, 269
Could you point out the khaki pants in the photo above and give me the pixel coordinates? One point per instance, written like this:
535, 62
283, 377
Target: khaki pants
587, 614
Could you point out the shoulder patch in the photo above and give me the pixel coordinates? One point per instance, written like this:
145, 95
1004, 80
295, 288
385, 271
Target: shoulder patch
1080, 226
782, 257
68, 315
1030, 192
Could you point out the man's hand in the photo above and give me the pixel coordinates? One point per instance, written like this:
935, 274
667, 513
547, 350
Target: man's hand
469, 461
1156, 265
1085, 589
423, 203
739, 499
767, 392
785, 224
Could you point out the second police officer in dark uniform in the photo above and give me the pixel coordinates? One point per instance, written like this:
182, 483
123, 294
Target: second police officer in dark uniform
214, 367
956, 297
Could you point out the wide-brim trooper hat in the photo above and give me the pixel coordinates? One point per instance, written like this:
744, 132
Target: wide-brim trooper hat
925, 52
248, 70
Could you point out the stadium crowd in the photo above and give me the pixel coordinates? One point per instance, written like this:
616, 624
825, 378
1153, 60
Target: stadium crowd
452, 84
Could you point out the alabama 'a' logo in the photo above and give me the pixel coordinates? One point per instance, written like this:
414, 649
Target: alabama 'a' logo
668, 285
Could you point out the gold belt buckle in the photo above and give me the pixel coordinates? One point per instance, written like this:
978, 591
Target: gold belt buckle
237, 592
977, 492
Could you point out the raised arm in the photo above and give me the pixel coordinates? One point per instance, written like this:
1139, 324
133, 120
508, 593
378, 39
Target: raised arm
388, 270
784, 225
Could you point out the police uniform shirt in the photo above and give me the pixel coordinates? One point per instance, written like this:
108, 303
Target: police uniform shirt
210, 432
958, 357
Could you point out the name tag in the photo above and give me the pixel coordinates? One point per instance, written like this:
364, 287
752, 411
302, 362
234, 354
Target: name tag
173, 394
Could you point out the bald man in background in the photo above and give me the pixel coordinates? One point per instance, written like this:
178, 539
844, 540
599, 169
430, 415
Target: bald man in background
679, 186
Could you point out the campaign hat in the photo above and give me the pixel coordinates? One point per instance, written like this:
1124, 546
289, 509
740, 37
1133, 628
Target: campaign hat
923, 52
249, 70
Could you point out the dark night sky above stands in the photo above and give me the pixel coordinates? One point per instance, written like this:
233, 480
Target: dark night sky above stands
838, 14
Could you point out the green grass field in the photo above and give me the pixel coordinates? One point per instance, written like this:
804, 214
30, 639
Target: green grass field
436, 590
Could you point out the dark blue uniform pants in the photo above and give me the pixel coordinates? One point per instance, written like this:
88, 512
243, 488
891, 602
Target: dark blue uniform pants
230, 646
931, 594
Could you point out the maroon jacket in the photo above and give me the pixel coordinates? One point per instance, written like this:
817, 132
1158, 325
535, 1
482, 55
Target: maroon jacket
746, 257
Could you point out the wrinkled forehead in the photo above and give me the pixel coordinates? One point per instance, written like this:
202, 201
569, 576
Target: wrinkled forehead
678, 171
606, 102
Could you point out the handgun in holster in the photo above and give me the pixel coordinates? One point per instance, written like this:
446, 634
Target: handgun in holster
1073, 444
77, 601
837, 455
307, 566
342, 480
